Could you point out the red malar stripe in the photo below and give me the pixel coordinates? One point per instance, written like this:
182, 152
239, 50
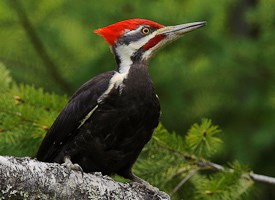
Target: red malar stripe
153, 42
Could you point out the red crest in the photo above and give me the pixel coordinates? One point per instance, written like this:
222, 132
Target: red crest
112, 32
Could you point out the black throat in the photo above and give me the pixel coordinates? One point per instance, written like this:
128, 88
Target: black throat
138, 82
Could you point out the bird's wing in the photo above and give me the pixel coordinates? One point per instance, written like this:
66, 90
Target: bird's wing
71, 117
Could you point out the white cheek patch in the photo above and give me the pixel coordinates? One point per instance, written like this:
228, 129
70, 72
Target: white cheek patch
126, 51
140, 43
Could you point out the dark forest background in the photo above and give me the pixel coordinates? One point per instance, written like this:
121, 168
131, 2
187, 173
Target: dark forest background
224, 71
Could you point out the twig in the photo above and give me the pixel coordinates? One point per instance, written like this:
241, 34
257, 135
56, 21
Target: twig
210, 165
262, 178
251, 175
39, 47
214, 166
191, 173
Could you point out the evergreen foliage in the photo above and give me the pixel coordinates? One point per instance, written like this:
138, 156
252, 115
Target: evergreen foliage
224, 71
168, 159
201, 139
5, 80
27, 112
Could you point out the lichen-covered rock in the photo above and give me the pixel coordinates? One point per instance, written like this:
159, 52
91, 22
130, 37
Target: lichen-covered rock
25, 178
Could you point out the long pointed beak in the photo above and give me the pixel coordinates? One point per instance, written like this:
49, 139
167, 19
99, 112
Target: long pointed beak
174, 32
168, 34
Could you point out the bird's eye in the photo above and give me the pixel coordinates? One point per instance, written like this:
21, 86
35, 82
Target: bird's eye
145, 30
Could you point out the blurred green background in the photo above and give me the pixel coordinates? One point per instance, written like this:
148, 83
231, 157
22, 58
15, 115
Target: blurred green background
224, 71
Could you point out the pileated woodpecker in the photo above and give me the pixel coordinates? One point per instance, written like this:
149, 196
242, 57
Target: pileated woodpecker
106, 123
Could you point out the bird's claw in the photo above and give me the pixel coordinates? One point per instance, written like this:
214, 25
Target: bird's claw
72, 166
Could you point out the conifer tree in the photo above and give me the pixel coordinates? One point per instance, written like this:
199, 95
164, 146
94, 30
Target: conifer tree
178, 165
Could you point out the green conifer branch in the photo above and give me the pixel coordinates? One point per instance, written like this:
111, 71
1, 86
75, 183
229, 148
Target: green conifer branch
169, 160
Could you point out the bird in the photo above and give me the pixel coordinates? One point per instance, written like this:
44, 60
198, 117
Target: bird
108, 120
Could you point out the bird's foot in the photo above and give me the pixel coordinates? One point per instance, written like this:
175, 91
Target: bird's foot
72, 166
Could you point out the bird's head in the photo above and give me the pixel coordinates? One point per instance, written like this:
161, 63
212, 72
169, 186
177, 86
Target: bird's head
137, 39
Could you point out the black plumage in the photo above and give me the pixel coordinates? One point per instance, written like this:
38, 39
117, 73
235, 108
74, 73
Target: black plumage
110, 118
112, 138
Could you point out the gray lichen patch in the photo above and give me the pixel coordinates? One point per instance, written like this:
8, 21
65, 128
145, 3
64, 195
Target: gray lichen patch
26, 178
